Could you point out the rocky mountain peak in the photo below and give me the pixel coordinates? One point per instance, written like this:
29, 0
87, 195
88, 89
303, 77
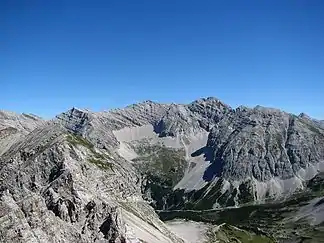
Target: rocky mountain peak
210, 102
75, 120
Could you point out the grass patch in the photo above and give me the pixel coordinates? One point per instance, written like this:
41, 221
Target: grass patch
227, 233
77, 140
100, 163
166, 163
98, 159
163, 168
267, 220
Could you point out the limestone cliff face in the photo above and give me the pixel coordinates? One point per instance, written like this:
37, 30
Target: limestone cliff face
263, 143
260, 153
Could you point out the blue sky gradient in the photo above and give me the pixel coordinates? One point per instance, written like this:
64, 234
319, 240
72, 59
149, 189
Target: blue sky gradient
107, 54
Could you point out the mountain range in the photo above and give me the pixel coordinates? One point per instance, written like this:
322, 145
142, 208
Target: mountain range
88, 176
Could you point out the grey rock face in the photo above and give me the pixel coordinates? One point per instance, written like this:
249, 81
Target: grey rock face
98, 127
56, 186
178, 119
147, 112
306, 117
21, 122
89, 125
40, 186
210, 110
262, 143
321, 123
14, 126
200, 115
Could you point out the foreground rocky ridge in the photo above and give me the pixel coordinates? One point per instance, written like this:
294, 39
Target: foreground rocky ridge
56, 186
83, 175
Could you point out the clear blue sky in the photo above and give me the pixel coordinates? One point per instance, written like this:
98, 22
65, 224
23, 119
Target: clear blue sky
105, 54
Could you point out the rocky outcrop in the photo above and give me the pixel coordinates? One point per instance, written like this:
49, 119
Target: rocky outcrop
263, 143
99, 127
14, 126
210, 110
177, 120
191, 119
57, 186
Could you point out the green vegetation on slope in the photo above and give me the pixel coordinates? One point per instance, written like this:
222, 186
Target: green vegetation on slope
75, 140
100, 163
229, 234
162, 168
272, 219
97, 159
167, 163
